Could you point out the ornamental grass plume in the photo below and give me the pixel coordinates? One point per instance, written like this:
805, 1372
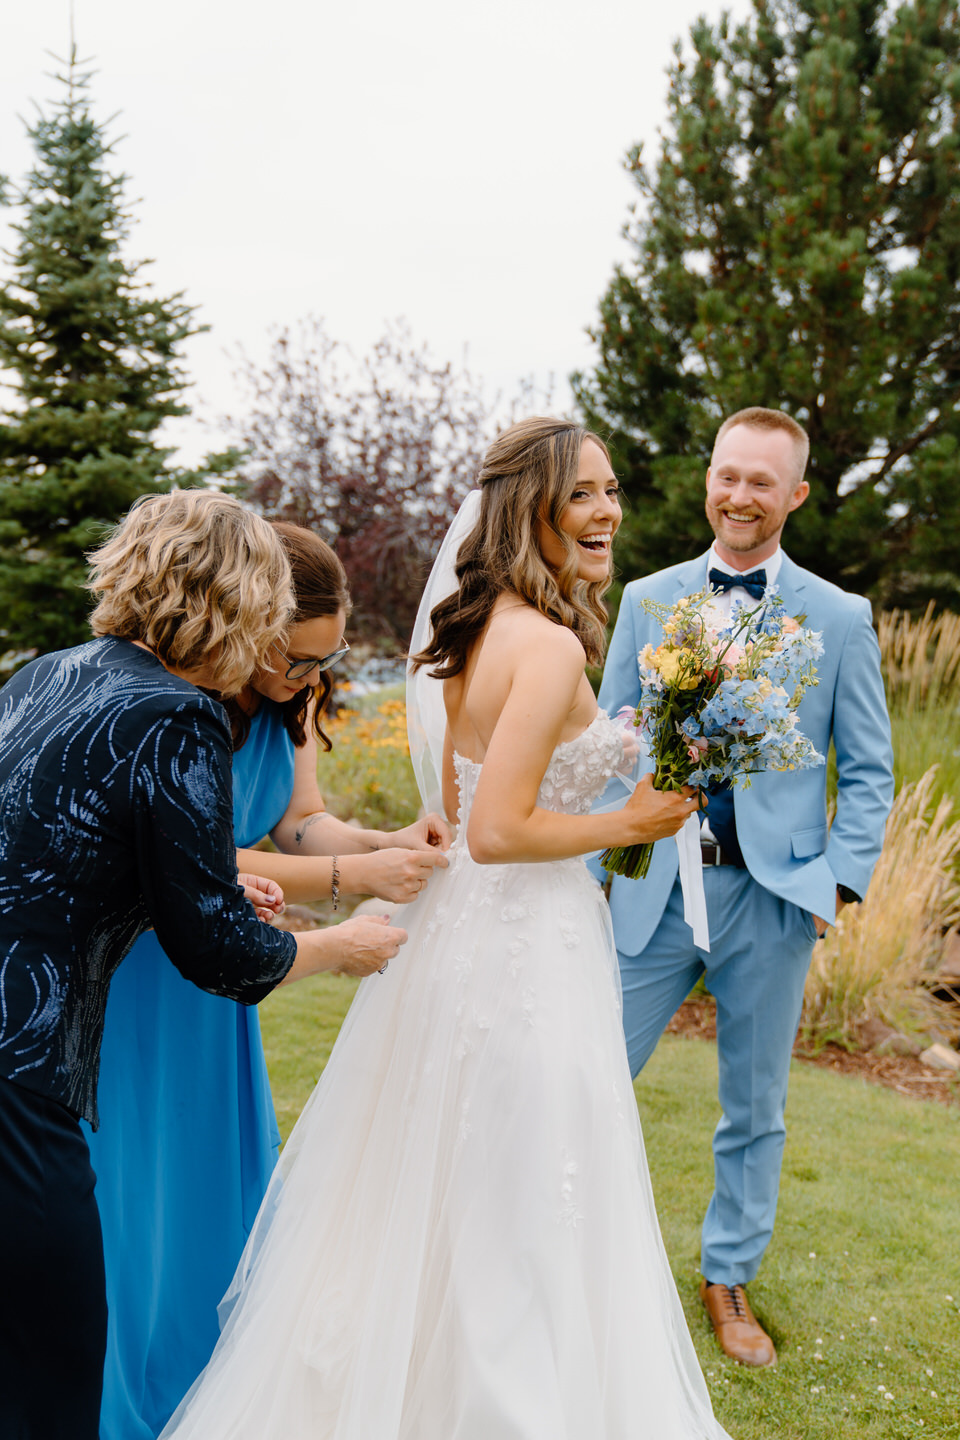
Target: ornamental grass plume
879, 960
921, 665
921, 658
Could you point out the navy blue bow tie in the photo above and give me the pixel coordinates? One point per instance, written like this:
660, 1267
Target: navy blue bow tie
754, 583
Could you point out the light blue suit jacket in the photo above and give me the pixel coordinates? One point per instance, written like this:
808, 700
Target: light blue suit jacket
782, 818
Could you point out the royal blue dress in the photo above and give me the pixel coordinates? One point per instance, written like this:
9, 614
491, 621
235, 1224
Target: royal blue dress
187, 1142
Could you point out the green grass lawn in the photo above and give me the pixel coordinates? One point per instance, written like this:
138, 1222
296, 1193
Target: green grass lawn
861, 1285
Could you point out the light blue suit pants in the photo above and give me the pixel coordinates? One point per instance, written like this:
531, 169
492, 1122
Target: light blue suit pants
760, 949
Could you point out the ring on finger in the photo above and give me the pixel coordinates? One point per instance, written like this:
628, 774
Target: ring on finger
383, 967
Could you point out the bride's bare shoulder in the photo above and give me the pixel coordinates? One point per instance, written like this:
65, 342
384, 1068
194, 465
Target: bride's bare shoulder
515, 625
522, 654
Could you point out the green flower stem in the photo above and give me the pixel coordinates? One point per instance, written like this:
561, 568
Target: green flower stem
672, 772
633, 861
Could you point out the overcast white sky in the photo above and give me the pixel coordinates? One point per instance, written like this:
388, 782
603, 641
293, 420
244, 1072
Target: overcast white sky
456, 164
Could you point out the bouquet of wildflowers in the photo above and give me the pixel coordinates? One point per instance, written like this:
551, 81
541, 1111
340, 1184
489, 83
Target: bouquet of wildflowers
718, 699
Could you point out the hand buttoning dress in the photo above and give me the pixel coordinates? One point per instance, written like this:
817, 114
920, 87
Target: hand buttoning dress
460, 1241
186, 1145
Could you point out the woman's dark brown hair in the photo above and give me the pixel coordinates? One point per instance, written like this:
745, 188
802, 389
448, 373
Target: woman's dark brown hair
320, 589
528, 475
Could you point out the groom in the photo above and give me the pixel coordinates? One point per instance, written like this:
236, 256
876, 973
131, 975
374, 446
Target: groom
775, 875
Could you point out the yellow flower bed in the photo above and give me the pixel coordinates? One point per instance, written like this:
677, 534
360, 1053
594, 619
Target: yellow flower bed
367, 776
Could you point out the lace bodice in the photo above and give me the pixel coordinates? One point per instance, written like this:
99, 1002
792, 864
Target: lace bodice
578, 771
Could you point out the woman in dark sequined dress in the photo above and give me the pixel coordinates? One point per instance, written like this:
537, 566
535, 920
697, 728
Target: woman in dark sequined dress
115, 816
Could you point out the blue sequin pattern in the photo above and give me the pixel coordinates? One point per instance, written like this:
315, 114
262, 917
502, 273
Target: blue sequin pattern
115, 816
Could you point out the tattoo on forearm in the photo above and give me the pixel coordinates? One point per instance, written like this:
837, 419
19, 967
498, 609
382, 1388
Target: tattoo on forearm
304, 826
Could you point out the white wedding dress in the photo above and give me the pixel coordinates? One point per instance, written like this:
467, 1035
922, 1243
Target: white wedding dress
460, 1240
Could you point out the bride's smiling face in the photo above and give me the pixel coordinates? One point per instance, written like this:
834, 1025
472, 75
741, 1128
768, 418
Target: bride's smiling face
591, 517
309, 640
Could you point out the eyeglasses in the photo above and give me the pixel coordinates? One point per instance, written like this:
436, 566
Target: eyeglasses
300, 669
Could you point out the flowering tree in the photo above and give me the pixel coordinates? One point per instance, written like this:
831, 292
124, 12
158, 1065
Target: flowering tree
374, 454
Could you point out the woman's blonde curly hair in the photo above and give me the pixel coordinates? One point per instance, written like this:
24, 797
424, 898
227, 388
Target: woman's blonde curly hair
200, 580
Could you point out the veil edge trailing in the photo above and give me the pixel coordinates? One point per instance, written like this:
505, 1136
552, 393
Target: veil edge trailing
426, 713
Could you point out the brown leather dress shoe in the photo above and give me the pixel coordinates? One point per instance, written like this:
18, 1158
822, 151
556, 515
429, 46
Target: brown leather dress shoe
739, 1333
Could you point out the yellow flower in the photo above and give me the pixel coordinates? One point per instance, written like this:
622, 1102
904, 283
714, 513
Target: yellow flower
673, 665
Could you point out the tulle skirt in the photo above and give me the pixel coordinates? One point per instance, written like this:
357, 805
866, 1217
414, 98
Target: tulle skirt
460, 1241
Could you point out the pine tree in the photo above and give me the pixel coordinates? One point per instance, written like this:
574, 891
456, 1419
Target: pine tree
92, 356
797, 245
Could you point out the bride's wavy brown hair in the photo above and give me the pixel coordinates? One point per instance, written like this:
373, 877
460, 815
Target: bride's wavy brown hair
528, 474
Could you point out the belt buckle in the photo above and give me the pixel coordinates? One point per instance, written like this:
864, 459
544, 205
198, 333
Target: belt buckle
710, 853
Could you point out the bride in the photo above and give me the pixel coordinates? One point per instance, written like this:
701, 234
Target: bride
460, 1241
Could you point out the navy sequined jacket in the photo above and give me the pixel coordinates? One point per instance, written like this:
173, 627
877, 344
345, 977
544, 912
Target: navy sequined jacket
115, 815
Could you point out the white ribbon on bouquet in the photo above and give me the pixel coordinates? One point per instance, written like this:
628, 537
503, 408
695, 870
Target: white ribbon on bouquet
691, 881
691, 864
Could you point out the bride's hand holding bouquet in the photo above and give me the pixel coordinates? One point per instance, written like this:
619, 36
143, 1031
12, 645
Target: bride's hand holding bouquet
654, 812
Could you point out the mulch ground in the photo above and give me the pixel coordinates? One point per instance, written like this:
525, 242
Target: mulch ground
906, 1074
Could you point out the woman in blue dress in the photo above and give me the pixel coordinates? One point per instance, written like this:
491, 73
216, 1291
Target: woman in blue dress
188, 1137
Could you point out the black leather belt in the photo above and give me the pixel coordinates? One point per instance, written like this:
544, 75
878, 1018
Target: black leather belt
712, 854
